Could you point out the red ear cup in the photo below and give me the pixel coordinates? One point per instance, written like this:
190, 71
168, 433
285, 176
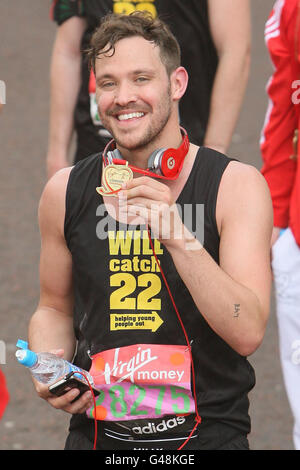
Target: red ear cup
162, 163
169, 161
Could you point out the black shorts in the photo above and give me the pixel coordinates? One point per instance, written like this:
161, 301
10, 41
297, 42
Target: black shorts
78, 440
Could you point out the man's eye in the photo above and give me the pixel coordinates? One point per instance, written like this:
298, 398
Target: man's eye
142, 79
107, 84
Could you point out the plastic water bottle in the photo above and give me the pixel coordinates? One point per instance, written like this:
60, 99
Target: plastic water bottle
47, 368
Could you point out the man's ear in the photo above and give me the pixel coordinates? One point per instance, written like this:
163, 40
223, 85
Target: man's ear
179, 81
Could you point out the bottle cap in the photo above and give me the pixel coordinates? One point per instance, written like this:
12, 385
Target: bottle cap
24, 355
22, 344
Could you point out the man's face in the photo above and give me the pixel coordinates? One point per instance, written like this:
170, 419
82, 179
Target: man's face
133, 93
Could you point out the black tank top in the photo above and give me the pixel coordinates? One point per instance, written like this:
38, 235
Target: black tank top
121, 302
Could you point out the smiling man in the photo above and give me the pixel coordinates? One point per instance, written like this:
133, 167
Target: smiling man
163, 320
136, 105
214, 36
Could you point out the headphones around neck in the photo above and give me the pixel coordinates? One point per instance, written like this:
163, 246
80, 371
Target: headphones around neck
163, 163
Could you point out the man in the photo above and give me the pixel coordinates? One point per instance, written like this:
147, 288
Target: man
279, 146
168, 320
214, 36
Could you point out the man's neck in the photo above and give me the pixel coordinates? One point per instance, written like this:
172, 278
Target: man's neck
139, 157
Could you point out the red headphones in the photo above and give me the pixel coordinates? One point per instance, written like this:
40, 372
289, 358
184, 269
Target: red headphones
162, 163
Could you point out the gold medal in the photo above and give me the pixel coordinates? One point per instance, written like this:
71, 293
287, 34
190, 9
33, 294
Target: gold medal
113, 176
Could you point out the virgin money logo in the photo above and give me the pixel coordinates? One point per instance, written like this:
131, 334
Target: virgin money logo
126, 369
143, 364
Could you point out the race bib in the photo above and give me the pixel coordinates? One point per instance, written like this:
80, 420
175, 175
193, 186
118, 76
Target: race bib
142, 381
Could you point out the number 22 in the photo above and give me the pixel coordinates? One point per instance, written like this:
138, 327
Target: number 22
120, 298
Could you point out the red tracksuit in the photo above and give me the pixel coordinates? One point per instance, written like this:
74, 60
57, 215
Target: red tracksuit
4, 397
280, 155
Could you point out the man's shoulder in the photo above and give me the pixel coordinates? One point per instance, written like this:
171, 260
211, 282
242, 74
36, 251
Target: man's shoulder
243, 188
243, 171
52, 203
54, 192
59, 181
243, 178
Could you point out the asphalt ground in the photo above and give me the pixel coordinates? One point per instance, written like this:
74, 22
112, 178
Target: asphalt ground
25, 47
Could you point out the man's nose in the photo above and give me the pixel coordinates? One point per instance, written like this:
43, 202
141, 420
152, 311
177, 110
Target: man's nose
125, 94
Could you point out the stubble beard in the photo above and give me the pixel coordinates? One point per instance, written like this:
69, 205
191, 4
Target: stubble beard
153, 131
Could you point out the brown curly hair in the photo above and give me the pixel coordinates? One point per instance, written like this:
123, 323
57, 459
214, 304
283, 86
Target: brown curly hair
115, 27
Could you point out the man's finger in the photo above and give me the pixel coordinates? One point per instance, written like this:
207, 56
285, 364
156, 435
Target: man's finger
146, 180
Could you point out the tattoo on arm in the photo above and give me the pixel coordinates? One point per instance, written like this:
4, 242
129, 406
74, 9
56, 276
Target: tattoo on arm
237, 308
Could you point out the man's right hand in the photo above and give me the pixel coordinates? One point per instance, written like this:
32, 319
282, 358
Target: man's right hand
64, 402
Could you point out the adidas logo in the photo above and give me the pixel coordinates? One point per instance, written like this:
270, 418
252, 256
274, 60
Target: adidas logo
152, 428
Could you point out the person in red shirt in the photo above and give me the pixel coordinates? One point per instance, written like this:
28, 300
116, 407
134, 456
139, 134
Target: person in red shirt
4, 396
279, 148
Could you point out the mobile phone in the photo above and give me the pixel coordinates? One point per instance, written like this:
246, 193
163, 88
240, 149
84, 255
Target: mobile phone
67, 383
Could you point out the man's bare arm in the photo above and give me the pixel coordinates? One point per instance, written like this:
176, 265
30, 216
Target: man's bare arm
230, 28
234, 296
51, 326
65, 83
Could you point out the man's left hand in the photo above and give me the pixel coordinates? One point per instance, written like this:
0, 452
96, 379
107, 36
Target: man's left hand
152, 201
